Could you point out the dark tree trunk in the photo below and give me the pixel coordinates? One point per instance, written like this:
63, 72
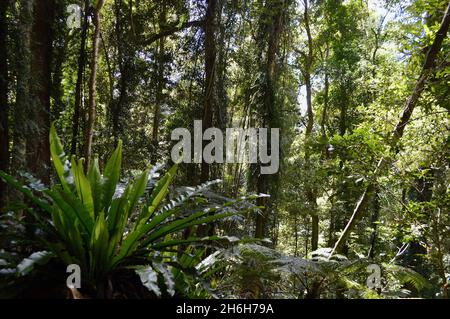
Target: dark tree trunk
22, 107
210, 101
223, 47
4, 107
88, 135
57, 90
60, 48
210, 63
374, 225
123, 69
38, 147
323, 122
343, 115
272, 30
159, 90
310, 191
78, 85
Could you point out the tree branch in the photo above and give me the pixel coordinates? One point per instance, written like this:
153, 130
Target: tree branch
173, 29
399, 129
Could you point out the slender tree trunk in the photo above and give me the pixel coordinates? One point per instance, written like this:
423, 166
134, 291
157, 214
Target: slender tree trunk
374, 225
399, 128
310, 191
78, 85
306, 239
4, 107
332, 228
326, 89
93, 85
123, 69
210, 94
376, 198
439, 257
60, 48
223, 47
210, 66
57, 89
159, 91
343, 115
437, 220
323, 126
296, 234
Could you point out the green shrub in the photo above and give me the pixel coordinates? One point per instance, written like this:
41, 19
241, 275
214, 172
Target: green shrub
101, 229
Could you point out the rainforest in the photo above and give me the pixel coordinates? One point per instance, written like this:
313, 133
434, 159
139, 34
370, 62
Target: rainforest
224, 149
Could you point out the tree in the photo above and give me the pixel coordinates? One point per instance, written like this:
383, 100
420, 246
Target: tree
22, 124
4, 106
93, 84
399, 128
160, 86
38, 147
271, 29
210, 75
79, 82
306, 70
60, 45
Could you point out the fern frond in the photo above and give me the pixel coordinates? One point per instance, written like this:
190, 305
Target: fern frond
407, 275
188, 194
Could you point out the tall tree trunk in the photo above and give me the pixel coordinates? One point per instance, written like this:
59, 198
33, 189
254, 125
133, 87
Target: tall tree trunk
343, 112
61, 39
323, 122
22, 106
272, 30
223, 47
224, 32
38, 146
93, 85
310, 191
296, 234
159, 91
399, 128
374, 225
210, 65
57, 89
123, 69
78, 85
323, 127
210, 100
4, 107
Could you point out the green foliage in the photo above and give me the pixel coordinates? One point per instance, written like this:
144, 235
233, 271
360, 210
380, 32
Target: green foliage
243, 271
257, 271
101, 228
